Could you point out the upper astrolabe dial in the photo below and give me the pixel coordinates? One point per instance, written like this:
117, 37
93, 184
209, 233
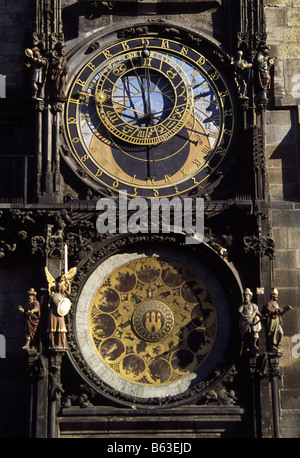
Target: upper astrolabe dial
144, 100
149, 116
152, 322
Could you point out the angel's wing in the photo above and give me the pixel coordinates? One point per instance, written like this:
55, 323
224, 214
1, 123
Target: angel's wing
50, 280
69, 275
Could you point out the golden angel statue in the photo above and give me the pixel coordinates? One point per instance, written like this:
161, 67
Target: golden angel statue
59, 306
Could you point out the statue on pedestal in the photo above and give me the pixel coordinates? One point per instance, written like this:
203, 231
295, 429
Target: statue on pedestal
249, 321
243, 73
262, 65
38, 65
59, 73
59, 306
32, 311
274, 326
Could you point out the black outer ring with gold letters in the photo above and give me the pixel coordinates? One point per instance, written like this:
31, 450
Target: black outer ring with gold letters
177, 153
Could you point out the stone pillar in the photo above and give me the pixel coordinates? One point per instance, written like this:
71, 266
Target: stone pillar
54, 391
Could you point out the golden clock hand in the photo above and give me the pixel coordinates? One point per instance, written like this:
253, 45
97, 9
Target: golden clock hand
141, 86
146, 54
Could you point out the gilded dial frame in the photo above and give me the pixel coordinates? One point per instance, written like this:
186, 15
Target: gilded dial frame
150, 116
111, 343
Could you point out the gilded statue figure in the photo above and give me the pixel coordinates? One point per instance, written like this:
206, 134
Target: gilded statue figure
274, 324
32, 311
243, 73
59, 306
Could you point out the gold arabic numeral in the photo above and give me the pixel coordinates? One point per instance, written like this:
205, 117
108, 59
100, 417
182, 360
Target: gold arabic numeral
194, 180
107, 54
112, 116
151, 181
155, 192
134, 192
99, 172
184, 51
125, 45
116, 184
91, 66
141, 134
128, 130
145, 42
165, 44
84, 158
80, 82
176, 189
221, 151
201, 60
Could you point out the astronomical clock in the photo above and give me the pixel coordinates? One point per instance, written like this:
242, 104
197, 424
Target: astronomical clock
150, 326
150, 111
150, 115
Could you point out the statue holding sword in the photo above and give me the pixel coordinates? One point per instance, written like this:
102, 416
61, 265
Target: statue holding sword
59, 305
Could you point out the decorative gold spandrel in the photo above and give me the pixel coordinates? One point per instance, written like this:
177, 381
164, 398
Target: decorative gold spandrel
153, 321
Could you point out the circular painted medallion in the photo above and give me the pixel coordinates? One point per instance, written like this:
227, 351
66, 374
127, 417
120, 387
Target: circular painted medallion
153, 320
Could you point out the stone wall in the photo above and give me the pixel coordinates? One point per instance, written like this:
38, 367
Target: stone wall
282, 147
16, 21
14, 386
286, 230
283, 29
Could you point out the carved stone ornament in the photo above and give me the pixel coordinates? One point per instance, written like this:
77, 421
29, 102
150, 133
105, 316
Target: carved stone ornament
262, 246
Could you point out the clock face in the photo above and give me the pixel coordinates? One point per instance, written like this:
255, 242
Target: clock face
151, 327
153, 322
149, 116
